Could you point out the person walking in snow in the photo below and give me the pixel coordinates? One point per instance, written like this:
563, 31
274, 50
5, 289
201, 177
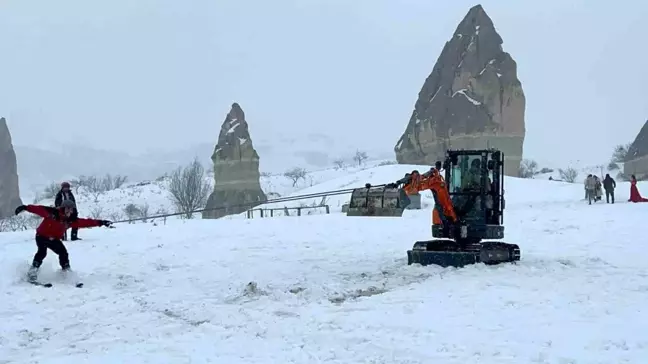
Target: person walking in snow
598, 189
609, 184
590, 186
50, 232
65, 194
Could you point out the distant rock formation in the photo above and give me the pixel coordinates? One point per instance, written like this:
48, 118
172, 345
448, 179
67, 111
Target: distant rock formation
236, 169
9, 189
637, 158
471, 100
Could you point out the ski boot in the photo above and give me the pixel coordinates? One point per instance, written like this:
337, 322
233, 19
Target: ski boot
32, 274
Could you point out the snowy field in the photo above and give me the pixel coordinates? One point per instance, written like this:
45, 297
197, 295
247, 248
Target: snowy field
336, 289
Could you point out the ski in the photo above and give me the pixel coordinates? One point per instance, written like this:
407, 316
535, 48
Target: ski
47, 285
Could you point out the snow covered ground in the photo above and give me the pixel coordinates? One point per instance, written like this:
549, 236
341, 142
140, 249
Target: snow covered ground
337, 289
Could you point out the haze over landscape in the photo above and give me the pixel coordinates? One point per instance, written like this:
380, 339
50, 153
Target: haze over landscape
159, 76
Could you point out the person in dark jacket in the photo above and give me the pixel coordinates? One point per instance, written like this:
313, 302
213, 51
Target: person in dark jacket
609, 184
65, 194
50, 232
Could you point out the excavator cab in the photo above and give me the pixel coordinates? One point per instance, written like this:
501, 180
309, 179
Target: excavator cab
475, 185
469, 206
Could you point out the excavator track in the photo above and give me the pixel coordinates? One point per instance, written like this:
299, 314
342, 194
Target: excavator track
449, 253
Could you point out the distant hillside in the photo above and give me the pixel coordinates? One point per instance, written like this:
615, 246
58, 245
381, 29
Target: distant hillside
37, 168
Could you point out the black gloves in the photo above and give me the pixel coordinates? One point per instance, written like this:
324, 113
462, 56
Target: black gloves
20, 209
105, 223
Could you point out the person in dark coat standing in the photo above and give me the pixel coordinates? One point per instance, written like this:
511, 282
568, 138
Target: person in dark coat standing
609, 184
65, 194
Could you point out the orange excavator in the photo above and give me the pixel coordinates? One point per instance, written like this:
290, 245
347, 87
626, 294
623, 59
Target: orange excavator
469, 205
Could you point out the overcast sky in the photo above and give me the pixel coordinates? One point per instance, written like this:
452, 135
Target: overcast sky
133, 75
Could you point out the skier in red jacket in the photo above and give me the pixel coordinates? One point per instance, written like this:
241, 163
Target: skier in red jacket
51, 230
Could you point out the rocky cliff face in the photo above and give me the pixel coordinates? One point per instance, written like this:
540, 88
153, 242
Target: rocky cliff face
236, 169
9, 190
472, 99
637, 158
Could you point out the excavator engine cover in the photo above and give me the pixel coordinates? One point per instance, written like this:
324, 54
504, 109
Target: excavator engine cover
376, 201
449, 253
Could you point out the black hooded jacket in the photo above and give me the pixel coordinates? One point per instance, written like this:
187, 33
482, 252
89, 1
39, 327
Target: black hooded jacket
608, 183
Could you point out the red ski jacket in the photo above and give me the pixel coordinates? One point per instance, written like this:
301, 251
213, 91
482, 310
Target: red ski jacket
54, 222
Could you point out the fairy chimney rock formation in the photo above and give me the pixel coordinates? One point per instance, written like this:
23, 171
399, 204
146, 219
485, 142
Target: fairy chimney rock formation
9, 190
236, 169
471, 100
637, 158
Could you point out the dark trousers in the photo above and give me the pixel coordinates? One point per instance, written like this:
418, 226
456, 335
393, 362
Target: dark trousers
609, 193
75, 231
56, 246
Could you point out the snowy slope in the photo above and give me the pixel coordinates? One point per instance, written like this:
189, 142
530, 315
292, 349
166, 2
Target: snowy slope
336, 289
155, 196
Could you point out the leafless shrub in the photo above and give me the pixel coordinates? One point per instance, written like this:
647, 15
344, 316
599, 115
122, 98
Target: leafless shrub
19, 223
360, 157
132, 212
528, 168
295, 174
568, 175
96, 212
189, 189
50, 191
144, 212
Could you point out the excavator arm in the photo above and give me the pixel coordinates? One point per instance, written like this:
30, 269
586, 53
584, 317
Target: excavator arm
433, 181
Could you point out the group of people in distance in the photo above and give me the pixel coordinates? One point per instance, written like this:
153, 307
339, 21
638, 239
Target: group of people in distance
594, 189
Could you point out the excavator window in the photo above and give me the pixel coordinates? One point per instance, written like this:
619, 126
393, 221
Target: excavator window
455, 181
466, 174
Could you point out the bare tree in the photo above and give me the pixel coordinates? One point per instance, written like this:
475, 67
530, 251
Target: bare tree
132, 212
295, 174
568, 175
144, 211
98, 185
528, 168
189, 188
619, 156
19, 223
360, 157
161, 211
109, 182
50, 191
118, 181
115, 216
622, 177
339, 163
96, 212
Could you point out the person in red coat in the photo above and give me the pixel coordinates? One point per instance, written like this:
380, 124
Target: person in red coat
635, 196
51, 230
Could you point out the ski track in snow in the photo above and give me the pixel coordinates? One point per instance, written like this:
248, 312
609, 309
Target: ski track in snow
335, 289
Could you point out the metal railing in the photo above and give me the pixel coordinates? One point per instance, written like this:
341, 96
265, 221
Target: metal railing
263, 212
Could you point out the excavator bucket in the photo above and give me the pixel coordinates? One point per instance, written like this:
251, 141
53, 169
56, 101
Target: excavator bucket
376, 201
